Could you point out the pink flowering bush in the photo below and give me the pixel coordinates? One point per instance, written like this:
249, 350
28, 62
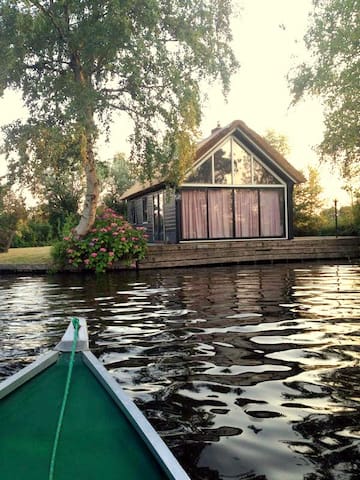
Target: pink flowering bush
110, 240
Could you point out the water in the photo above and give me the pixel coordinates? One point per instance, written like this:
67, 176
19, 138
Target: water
247, 372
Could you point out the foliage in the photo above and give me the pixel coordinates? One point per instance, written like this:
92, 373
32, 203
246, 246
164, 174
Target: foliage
39, 227
116, 178
33, 233
12, 210
356, 215
115, 204
333, 73
41, 153
76, 62
111, 239
348, 220
61, 200
278, 141
51, 174
352, 186
308, 204
70, 223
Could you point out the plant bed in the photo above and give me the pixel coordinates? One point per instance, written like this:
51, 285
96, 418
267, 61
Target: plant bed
111, 241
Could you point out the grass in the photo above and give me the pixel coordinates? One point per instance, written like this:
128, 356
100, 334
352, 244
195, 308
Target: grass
27, 256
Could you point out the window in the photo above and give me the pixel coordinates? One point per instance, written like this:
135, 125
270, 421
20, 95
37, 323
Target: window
220, 213
145, 209
132, 212
203, 174
232, 213
246, 213
158, 202
194, 214
222, 165
231, 164
262, 176
271, 213
242, 165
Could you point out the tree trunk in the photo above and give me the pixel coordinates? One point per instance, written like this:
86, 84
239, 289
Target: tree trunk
92, 186
87, 153
6, 237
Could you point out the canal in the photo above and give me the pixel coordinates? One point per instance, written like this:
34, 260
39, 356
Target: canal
247, 372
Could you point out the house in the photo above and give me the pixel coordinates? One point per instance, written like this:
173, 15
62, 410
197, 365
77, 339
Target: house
239, 187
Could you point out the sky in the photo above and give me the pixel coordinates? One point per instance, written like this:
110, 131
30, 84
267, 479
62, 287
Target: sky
268, 43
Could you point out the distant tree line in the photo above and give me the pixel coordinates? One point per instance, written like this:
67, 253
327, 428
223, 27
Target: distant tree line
310, 216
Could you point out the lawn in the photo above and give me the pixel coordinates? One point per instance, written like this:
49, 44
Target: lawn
28, 256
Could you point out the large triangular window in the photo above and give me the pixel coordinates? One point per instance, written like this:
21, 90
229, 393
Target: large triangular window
231, 164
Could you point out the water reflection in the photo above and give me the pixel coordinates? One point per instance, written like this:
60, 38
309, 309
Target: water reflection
247, 372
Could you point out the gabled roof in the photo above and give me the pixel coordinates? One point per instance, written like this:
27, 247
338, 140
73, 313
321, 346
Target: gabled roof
217, 136
143, 188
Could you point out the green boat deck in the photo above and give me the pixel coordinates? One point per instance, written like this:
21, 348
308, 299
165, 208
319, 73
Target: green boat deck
97, 441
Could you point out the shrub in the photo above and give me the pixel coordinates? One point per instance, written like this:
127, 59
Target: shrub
110, 240
71, 220
34, 233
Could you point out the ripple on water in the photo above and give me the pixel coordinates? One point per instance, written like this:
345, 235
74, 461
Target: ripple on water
247, 372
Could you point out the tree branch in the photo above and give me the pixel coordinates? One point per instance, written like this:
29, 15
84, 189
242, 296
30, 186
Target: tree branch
49, 14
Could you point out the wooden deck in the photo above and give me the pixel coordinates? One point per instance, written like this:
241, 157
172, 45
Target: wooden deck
229, 252
251, 252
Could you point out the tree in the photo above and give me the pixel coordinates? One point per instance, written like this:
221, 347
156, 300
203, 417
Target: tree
34, 231
78, 61
116, 178
278, 141
52, 173
333, 73
61, 197
308, 204
12, 210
